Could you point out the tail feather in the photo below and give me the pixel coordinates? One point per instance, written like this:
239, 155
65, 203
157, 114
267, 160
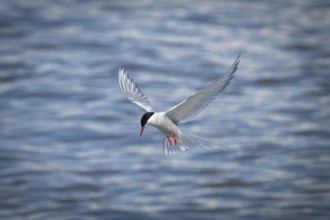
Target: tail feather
187, 142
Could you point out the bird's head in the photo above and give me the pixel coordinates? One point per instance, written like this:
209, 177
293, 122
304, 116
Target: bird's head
144, 120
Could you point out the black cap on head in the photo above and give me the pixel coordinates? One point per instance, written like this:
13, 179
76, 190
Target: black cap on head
145, 118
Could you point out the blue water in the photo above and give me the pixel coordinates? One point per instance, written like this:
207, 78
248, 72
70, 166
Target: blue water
69, 139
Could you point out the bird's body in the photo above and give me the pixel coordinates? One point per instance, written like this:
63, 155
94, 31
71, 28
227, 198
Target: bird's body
164, 124
167, 122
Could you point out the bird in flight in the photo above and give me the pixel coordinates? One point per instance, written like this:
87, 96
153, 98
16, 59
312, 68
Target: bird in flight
167, 122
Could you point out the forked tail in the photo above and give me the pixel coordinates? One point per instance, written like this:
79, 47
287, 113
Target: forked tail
187, 142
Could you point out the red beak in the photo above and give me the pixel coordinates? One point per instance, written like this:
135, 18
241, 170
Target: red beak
141, 131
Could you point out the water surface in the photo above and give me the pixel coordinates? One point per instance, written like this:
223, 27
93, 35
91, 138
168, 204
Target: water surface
69, 139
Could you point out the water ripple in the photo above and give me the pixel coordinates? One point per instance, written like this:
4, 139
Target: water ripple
69, 139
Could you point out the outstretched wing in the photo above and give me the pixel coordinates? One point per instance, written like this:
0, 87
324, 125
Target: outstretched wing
193, 105
132, 90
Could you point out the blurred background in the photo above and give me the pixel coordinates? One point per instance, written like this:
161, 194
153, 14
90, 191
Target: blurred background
69, 139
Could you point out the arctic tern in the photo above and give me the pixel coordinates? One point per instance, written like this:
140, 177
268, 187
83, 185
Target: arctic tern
167, 122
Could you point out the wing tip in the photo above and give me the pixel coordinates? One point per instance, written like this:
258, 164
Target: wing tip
239, 55
237, 60
122, 69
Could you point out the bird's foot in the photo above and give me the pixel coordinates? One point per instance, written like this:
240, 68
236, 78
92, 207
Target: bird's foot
174, 137
169, 140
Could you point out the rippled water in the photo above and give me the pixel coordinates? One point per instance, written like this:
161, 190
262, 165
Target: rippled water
69, 139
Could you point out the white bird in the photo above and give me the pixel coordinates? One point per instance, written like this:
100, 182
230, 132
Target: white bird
167, 122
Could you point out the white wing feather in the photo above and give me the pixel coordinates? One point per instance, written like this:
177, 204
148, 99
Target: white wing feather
193, 105
132, 90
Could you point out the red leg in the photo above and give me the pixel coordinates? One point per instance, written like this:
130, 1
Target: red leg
169, 140
174, 137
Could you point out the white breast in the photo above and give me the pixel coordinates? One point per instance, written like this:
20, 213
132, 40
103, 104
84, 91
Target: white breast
164, 124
